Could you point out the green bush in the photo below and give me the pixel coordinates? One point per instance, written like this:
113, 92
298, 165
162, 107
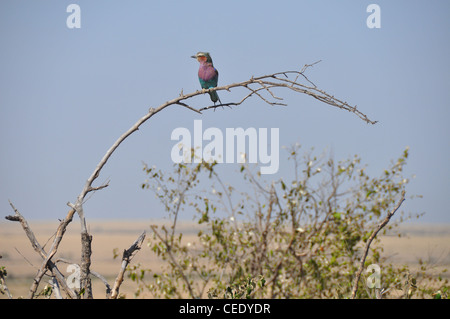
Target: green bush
298, 238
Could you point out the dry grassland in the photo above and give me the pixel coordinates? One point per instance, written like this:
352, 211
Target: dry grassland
429, 242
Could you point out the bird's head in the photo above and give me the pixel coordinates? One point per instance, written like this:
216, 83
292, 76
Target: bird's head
202, 57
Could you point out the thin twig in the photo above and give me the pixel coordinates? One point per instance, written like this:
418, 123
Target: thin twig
128, 254
286, 82
369, 241
169, 251
188, 107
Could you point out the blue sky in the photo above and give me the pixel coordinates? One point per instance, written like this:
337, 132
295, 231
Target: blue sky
67, 94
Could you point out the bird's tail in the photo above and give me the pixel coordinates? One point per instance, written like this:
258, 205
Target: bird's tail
214, 97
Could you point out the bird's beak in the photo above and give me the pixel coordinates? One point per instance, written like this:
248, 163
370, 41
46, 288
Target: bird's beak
194, 56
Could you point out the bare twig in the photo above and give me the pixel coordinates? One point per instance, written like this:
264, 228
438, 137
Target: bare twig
128, 254
174, 261
93, 189
369, 241
188, 107
103, 279
267, 83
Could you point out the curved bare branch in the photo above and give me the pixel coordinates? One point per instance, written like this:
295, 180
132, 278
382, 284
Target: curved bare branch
255, 85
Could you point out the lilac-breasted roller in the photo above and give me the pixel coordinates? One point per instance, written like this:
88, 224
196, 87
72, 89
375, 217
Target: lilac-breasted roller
207, 74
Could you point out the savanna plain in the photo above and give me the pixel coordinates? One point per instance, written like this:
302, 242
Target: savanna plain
427, 242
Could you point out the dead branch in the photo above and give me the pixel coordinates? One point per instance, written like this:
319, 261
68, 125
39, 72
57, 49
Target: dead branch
369, 241
268, 82
37, 247
128, 254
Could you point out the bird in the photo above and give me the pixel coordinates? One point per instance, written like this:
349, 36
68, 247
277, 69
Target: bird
207, 74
